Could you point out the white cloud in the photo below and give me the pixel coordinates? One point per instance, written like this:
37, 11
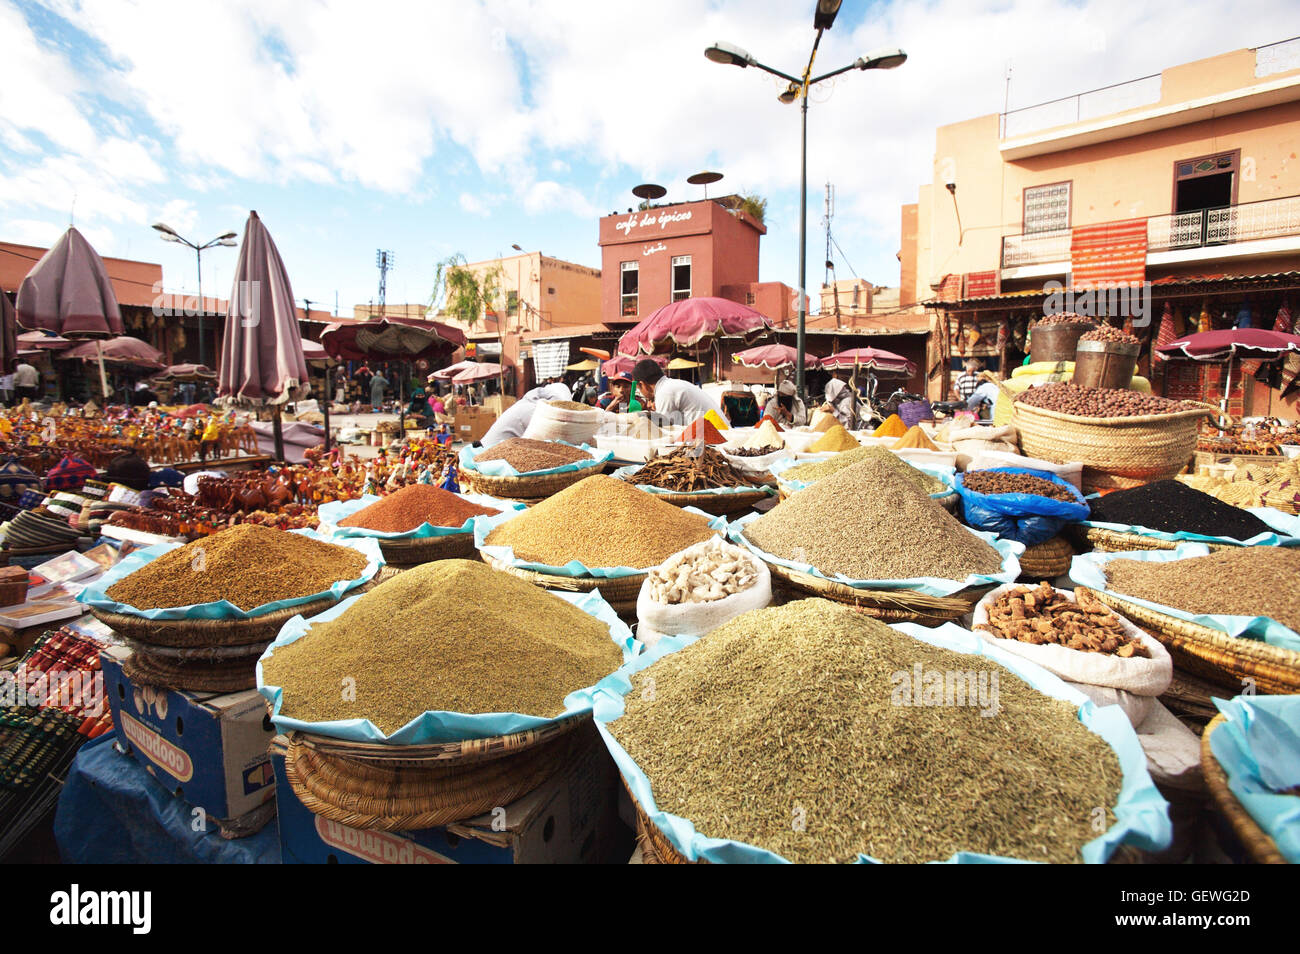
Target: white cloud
551, 196
472, 204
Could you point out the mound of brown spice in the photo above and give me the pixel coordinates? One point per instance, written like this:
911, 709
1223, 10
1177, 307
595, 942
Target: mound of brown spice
247, 565
415, 506
454, 636
525, 454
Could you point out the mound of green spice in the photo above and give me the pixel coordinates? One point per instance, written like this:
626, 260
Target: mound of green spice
800, 729
889, 461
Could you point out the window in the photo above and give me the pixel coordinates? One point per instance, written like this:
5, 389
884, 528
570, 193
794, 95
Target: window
1047, 208
681, 277
512, 302
749, 298
1206, 182
631, 284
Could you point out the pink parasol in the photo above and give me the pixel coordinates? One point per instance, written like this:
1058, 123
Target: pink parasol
623, 365
120, 350
186, 372
690, 323
774, 357
1232, 343
479, 372
873, 359
40, 341
314, 350
449, 372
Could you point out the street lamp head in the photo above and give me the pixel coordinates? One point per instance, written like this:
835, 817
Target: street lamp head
166, 232
228, 241
789, 94
729, 54
825, 15
517, 248
226, 235
886, 58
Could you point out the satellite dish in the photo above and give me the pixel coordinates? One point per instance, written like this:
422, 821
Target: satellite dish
649, 191
705, 179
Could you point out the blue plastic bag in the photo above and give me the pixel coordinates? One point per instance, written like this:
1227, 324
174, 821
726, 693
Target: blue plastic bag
1258, 746
1025, 518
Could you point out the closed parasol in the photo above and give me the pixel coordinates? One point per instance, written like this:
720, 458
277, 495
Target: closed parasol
261, 357
873, 359
691, 324
121, 350
773, 357
68, 293
8, 335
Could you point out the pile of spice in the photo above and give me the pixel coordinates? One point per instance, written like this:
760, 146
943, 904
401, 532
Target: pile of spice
525, 454
407, 649
708, 571
1241, 581
414, 506
892, 426
1171, 506
994, 482
754, 451
601, 522
902, 471
866, 523
694, 467
1067, 317
833, 441
1044, 615
1112, 334
1068, 398
822, 421
702, 429
917, 439
765, 436
247, 565
571, 405
855, 756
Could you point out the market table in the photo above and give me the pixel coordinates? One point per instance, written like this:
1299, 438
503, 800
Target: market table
111, 811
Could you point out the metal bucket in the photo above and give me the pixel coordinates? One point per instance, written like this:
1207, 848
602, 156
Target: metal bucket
1057, 342
1105, 364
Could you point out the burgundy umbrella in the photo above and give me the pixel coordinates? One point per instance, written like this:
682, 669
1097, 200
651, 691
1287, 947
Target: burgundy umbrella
261, 357
479, 372
873, 359
68, 293
449, 372
8, 335
186, 372
690, 323
623, 365
40, 341
391, 339
121, 350
1232, 343
773, 357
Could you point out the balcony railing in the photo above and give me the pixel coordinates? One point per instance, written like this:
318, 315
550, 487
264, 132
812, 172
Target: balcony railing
1248, 222
1075, 109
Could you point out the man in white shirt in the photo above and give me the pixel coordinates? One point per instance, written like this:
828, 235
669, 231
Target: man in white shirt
517, 416
27, 381
675, 401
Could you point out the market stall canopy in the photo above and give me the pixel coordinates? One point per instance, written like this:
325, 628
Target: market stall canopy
120, 350
590, 364
1232, 343
479, 372
692, 323
392, 339
314, 350
186, 372
68, 293
773, 356
682, 364
623, 365
40, 341
449, 372
873, 359
261, 354
8, 335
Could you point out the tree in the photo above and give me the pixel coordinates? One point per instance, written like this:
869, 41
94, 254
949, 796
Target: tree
467, 295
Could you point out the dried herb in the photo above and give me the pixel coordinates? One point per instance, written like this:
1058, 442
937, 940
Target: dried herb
695, 467
1044, 615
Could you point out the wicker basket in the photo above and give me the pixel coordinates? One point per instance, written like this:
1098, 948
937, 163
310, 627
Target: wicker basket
1254, 839
228, 675
1047, 560
1114, 541
416, 550
656, 849
620, 593
717, 504
429, 785
890, 606
1211, 655
525, 489
186, 633
1116, 452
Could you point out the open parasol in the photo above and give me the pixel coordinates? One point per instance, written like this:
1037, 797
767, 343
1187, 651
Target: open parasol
588, 364
261, 357
40, 341
691, 324
1232, 343
773, 357
449, 372
186, 372
479, 372
68, 293
391, 339
121, 350
873, 359
623, 365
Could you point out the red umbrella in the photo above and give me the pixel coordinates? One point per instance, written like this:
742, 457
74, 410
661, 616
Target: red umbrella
8, 335
391, 339
68, 293
623, 365
479, 372
186, 372
691, 322
314, 350
774, 357
449, 372
122, 350
40, 341
873, 359
1232, 343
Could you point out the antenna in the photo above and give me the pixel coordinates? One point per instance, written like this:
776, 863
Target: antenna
384, 260
72, 213
1006, 99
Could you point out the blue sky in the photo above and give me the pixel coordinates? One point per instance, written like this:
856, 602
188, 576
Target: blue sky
440, 127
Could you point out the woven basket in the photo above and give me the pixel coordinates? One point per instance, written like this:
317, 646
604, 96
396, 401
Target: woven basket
1047, 560
392, 796
526, 489
1116, 452
620, 593
656, 849
1254, 839
890, 606
716, 504
1114, 541
231, 675
417, 550
1214, 656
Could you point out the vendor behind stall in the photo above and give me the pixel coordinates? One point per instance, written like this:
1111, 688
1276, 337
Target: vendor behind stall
514, 421
785, 406
840, 397
615, 399
680, 402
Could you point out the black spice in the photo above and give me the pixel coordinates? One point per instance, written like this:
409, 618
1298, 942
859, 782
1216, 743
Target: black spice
1171, 506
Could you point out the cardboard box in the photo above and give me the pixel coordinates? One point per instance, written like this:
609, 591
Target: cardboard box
472, 423
571, 818
208, 748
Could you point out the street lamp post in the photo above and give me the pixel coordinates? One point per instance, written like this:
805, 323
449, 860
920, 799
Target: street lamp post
169, 234
732, 55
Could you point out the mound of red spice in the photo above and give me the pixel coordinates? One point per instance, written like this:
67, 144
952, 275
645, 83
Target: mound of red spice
702, 429
412, 506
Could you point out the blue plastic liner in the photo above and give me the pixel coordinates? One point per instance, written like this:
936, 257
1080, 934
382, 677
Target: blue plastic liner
1009, 550
1026, 518
1142, 815
96, 594
628, 474
1258, 746
1088, 570
331, 513
486, 525
440, 726
499, 468
1285, 525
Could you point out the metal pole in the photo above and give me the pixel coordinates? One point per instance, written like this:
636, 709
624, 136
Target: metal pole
198, 257
803, 250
